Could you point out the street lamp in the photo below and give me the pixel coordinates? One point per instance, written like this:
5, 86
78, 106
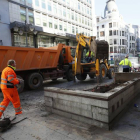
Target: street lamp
25, 29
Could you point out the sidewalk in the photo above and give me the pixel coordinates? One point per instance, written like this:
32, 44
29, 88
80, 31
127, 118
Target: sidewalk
41, 125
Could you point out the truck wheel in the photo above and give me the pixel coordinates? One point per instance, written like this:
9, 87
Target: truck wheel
69, 75
20, 87
81, 77
35, 80
92, 75
111, 73
102, 72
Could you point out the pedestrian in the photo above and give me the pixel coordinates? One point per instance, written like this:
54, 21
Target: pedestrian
9, 81
126, 64
89, 56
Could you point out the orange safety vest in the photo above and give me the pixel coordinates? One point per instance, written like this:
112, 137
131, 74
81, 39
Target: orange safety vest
8, 78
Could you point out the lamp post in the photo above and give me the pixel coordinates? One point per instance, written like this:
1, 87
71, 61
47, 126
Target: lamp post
26, 33
25, 28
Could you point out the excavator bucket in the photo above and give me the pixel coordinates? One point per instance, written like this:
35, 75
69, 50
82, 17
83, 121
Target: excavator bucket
93, 46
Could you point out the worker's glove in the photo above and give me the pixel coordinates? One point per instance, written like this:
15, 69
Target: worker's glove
20, 80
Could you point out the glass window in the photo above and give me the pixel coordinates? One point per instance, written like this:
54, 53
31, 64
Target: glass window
110, 33
49, 7
22, 14
122, 33
37, 3
111, 49
68, 13
64, 12
55, 9
72, 15
110, 42
73, 30
115, 33
79, 19
69, 28
43, 41
102, 33
97, 19
110, 25
65, 27
43, 4
37, 19
60, 10
31, 17
82, 19
76, 30
115, 49
22, 1
85, 21
103, 26
115, 41
50, 22
114, 24
29, 2
55, 24
60, 26
78, 5
44, 21
75, 17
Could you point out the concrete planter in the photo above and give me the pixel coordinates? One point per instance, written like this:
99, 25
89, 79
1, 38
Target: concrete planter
99, 109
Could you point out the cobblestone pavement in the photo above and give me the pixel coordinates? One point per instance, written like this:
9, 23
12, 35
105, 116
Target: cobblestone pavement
40, 125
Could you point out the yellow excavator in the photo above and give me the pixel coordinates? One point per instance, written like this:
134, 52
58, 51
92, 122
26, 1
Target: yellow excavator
98, 66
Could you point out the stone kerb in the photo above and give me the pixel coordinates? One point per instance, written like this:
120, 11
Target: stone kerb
99, 109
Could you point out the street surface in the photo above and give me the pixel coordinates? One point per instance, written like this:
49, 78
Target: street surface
41, 125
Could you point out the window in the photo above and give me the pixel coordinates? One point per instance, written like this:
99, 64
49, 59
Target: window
115, 41
110, 33
50, 22
114, 32
73, 30
102, 26
115, 49
55, 9
69, 28
120, 42
102, 33
65, 27
97, 27
130, 37
37, 19
79, 19
123, 42
85, 21
72, 15
55, 24
110, 42
82, 19
43, 4
44, 21
22, 1
37, 3
110, 25
59, 10
122, 33
97, 19
97, 34
49, 7
22, 14
68, 13
78, 5
76, 30
31, 17
75, 17
111, 49
64, 12
60, 26
29, 2
114, 24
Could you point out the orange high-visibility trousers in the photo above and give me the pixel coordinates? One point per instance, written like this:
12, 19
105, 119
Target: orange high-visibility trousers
10, 94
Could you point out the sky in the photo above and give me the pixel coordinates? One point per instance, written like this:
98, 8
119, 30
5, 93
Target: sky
129, 9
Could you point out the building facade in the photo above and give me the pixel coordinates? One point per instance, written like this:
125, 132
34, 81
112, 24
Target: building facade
45, 23
120, 36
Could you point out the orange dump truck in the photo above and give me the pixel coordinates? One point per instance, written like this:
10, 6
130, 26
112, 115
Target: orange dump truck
37, 64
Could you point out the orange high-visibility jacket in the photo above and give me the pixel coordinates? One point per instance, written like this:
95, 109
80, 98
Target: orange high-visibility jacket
8, 78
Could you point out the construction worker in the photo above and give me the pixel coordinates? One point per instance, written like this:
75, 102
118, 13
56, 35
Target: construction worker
126, 64
89, 56
9, 81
